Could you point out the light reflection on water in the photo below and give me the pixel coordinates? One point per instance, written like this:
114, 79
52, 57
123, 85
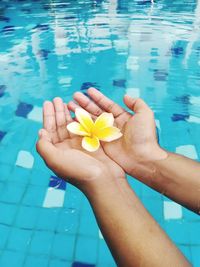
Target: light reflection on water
50, 48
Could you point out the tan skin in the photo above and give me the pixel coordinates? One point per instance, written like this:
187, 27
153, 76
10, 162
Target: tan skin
140, 154
133, 236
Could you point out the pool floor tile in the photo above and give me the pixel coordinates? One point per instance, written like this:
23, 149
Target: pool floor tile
4, 233
53, 198
8, 213
86, 250
41, 242
39, 261
11, 258
25, 159
19, 239
63, 246
188, 151
172, 210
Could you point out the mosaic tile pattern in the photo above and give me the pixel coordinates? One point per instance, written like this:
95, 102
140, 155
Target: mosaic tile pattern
50, 49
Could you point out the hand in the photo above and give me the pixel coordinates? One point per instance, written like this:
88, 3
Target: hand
64, 154
138, 143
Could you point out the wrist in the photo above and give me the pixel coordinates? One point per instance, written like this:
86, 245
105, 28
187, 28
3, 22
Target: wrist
145, 168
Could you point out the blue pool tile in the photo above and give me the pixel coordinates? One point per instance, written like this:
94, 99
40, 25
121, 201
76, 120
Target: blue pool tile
30, 196
86, 250
68, 221
8, 213
179, 117
195, 256
194, 232
82, 264
5, 171
88, 225
4, 18
42, 27
2, 134
177, 51
39, 261
43, 53
20, 175
184, 99
11, 258
57, 183
160, 75
8, 29
63, 246
27, 217
154, 206
41, 242
47, 219
104, 256
190, 216
87, 85
12, 193
4, 232
2, 89
19, 239
39, 177
59, 263
178, 231
119, 83
23, 109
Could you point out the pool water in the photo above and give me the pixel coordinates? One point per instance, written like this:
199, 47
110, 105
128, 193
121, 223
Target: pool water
54, 48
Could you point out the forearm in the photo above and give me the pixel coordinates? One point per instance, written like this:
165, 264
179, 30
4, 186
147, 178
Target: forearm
177, 177
132, 235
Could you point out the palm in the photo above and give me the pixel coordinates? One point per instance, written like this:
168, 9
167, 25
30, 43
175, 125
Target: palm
139, 134
71, 160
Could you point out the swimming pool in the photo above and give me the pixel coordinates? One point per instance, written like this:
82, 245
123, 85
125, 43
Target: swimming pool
54, 48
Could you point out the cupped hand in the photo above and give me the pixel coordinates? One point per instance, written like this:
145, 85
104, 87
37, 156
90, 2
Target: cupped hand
139, 141
64, 154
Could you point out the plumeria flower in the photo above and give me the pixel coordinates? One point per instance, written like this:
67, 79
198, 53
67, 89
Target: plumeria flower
100, 130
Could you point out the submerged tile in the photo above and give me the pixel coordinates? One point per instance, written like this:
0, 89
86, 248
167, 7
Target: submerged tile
23, 109
2, 89
179, 117
119, 83
35, 114
193, 119
57, 183
82, 264
2, 134
133, 92
87, 85
172, 210
54, 198
187, 151
25, 159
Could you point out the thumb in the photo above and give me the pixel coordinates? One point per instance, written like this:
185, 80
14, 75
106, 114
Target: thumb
136, 104
45, 147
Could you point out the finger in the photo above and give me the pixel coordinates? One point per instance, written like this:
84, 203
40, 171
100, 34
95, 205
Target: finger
105, 103
87, 104
67, 114
136, 104
72, 106
46, 149
49, 120
61, 122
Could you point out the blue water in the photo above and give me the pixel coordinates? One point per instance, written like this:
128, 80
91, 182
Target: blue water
54, 48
